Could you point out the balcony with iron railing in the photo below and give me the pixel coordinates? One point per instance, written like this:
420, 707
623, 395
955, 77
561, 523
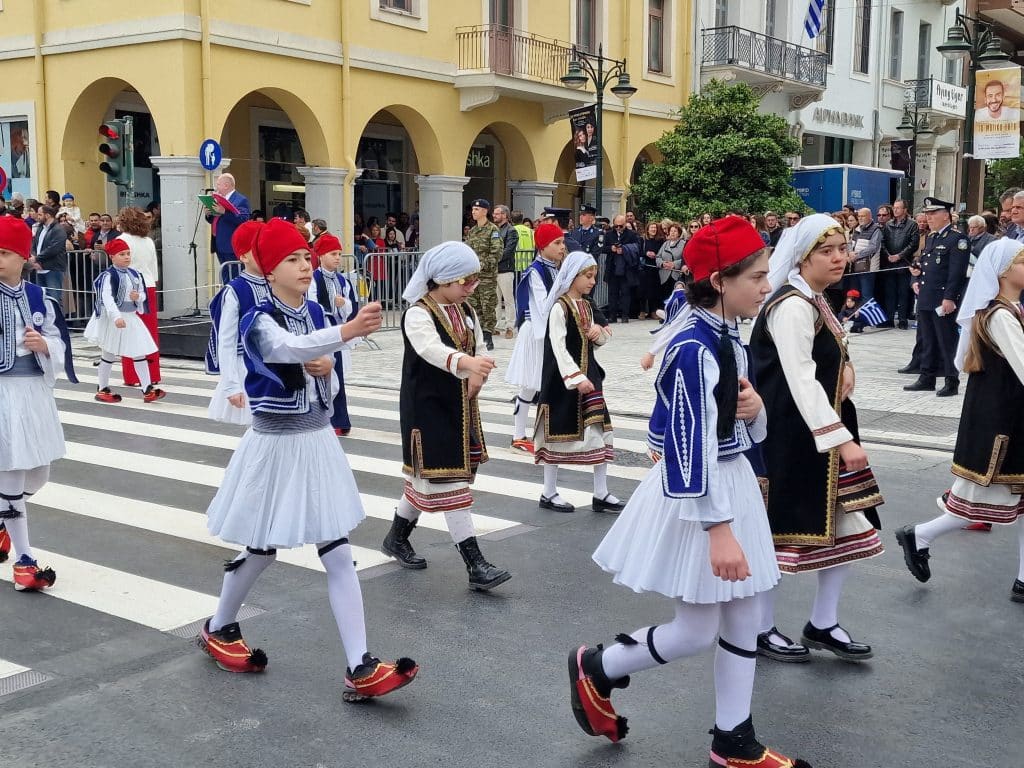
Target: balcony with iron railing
495, 60
766, 63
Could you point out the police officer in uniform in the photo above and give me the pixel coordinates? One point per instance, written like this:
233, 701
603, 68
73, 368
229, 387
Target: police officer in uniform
586, 237
939, 287
486, 240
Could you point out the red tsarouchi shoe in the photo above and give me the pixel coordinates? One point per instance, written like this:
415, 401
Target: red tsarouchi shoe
227, 648
374, 678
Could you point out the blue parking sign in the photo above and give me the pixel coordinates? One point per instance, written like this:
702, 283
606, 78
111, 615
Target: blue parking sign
210, 155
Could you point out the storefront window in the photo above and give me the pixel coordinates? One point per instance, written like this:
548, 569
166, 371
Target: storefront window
378, 190
282, 188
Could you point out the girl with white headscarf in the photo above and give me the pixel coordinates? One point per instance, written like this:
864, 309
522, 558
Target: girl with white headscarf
573, 425
444, 367
988, 460
821, 492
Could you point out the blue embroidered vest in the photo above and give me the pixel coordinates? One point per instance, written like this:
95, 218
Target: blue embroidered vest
30, 302
281, 387
678, 428
119, 288
547, 271
328, 286
249, 290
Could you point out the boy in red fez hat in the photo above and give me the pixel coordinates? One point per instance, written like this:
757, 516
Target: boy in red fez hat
332, 291
289, 482
695, 529
224, 350
524, 367
33, 342
116, 327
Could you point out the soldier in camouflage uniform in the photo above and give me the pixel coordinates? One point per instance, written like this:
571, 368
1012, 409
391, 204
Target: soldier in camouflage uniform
485, 239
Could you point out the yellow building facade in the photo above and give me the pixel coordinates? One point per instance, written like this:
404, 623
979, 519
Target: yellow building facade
349, 108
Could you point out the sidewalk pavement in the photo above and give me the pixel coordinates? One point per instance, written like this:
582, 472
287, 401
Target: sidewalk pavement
887, 413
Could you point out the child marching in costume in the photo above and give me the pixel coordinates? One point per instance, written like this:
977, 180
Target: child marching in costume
695, 529
821, 492
988, 460
672, 317
224, 354
116, 327
33, 345
524, 367
336, 295
289, 483
442, 437
573, 425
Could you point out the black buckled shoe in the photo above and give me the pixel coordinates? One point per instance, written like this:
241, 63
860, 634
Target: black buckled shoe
396, 544
791, 652
916, 559
556, 506
822, 640
951, 387
1017, 592
923, 384
601, 505
482, 575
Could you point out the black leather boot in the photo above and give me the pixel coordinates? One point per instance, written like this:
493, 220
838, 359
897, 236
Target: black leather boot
923, 384
396, 544
951, 388
482, 575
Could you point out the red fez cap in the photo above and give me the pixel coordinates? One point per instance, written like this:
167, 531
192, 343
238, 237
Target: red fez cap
546, 234
116, 246
15, 236
244, 237
853, 293
721, 244
278, 239
326, 243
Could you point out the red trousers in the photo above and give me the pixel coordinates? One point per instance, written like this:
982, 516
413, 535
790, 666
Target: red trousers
149, 319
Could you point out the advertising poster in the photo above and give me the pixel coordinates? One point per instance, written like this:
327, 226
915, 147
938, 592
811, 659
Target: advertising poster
997, 113
14, 157
583, 124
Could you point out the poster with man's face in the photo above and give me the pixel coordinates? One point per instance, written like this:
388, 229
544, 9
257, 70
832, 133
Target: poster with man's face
997, 113
15, 157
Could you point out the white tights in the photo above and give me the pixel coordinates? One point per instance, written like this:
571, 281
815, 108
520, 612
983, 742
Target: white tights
926, 533
459, 521
521, 412
694, 630
824, 613
15, 488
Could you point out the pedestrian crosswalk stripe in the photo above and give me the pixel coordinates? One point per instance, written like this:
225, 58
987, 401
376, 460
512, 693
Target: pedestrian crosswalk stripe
626, 444
218, 440
7, 669
205, 474
128, 596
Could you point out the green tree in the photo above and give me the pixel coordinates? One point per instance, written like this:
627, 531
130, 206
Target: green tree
722, 155
1000, 176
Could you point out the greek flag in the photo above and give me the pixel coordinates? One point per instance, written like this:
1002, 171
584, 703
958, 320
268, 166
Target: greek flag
815, 18
871, 313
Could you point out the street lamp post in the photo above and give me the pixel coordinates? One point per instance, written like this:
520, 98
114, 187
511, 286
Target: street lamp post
972, 39
914, 124
587, 67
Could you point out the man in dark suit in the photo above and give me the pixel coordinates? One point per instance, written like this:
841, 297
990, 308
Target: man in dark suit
940, 286
621, 268
49, 252
226, 223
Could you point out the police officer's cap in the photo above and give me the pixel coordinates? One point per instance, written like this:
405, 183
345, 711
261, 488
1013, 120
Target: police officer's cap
603, 220
481, 203
585, 208
934, 204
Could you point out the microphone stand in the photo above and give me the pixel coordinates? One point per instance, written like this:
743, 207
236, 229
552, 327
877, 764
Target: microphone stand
193, 248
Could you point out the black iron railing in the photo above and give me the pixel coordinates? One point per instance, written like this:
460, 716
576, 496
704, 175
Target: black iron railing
739, 47
508, 51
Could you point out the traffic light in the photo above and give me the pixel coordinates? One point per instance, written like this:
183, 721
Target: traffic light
117, 165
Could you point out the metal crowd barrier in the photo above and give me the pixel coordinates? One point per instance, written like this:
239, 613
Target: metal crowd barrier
78, 296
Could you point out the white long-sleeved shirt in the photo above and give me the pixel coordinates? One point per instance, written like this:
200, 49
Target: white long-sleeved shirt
572, 376
422, 334
109, 301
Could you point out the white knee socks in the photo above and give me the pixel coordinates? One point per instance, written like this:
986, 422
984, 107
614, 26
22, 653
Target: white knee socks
926, 533
735, 661
142, 371
103, 373
825, 612
693, 630
1020, 534
460, 524
601, 484
346, 597
550, 481
406, 510
236, 586
521, 413
12, 488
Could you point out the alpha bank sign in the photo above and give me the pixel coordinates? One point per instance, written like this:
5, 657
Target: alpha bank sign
949, 99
